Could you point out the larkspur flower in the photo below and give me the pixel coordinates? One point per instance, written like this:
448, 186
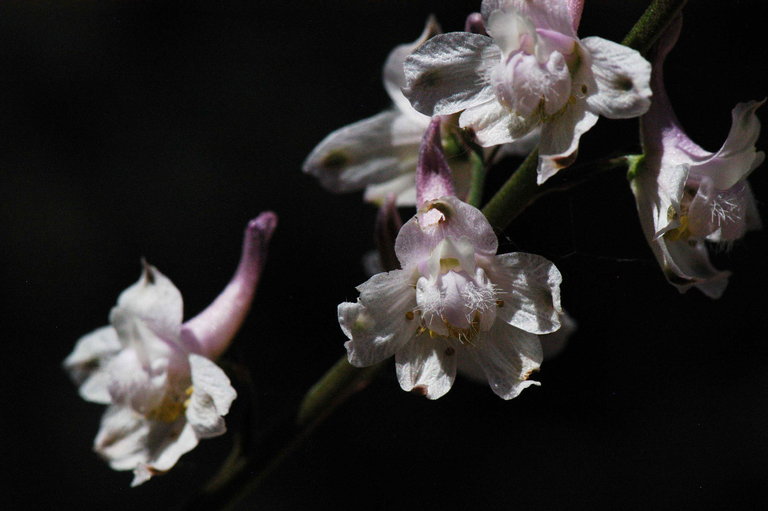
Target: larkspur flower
687, 196
380, 153
530, 71
156, 373
454, 301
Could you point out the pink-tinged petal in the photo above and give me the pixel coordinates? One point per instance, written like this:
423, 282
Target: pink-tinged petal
433, 176
213, 329
394, 76
388, 224
427, 366
155, 301
622, 77
560, 139
510, 31
475, 24
86, 364
382, 320
452, 217
660, 129
212, 395
493, 124
549, 14
529, 290
575, 8
737, 158
508, 357
451, 72
370, 151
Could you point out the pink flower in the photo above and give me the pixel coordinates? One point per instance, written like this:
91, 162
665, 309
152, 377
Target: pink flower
531, 72
454, 301
687, 196
156, 373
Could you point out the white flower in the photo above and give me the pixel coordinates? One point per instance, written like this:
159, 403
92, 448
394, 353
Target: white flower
380, 153
454, 298
687, 196
531, 72
156, 373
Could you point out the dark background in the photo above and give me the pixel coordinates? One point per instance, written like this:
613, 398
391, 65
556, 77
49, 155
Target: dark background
157, 129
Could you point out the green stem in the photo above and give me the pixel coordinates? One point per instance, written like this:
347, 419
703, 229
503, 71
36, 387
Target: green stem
475, 196
652, 23
515, 195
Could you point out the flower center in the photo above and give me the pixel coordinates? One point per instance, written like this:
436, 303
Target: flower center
172, 405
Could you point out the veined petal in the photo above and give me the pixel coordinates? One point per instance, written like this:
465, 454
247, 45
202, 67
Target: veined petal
365, 152
493, 124
378, 324
433, 175
549, 14
658, 190
451, 72
622, 77
86, 364
508, 357
737, 158
560, 139
686, 265
175, 445
122, 438
212, 395
427, 366
212, 330
394, 76
416, 241
155, 301
529, 287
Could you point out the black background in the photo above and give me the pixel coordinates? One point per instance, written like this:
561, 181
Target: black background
157, 129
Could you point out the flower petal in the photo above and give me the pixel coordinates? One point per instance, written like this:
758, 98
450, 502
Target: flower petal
417, 239
212, 395
622, 77
687, 264
394, 75
86, 364
427, 366
451, 72
529, 286
370, 151
507, 356
377, 324
176, 444
493, 124
548, 14
560, 139
155, 301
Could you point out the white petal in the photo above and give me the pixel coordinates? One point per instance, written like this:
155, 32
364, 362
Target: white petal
87, 362
553, 344
560, 139
658, 190
122, 438
402, 187
737, 158
212, 395
508, 356
394, 75
373, 150
155, 301
529, 286
451, 72
492, 124
547, 14
506, 27
622, 77
377, 324
427, 366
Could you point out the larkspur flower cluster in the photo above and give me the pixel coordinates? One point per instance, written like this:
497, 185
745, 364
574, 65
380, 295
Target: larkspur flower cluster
516, 81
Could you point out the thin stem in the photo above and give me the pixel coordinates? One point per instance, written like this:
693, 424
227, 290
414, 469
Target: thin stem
515, 195
477, 182
652, 23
